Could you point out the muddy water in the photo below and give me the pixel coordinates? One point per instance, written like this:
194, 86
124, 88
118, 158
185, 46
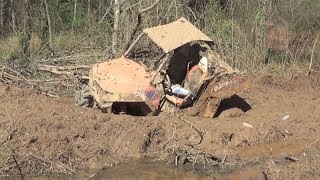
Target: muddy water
274, 150
152, 171
147, 170
144, 170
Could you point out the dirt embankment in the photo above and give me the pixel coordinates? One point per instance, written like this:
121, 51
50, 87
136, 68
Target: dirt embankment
278, 133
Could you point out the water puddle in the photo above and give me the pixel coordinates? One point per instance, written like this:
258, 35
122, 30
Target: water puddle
274, 150
142, 170
149, 170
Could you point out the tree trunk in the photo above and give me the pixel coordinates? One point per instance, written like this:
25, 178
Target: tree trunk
49, 25
13, 17
116, 20
1, 17
89, 9
25, 41
74, 16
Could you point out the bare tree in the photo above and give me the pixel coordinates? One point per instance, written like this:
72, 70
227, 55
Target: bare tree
88, 11
1, 16
116, 20
74, 16
25, 41
13, 17
49, 24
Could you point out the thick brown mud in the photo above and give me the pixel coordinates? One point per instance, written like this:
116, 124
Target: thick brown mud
278, 137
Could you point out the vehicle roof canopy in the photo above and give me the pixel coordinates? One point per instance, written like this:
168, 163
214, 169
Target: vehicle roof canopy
173, 35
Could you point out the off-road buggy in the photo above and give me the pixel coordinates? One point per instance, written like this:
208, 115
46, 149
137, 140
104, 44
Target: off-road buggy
188, 65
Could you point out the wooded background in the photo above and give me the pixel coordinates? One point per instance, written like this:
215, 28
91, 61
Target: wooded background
250, 34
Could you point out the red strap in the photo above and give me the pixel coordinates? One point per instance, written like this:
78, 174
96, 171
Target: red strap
191, 71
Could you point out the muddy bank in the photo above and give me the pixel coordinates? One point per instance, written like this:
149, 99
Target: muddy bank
278, 134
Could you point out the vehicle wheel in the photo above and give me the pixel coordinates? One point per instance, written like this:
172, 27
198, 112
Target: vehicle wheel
83, 98
107, 110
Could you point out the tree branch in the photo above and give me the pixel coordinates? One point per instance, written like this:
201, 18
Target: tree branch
135, 30
131, 6
149, 8
122, 2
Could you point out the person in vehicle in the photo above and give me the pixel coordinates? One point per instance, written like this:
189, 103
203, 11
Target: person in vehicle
183, 96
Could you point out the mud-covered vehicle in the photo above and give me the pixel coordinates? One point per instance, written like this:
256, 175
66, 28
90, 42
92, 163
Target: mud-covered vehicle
188, 65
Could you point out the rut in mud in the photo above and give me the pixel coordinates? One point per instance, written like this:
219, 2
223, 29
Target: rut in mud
278, 133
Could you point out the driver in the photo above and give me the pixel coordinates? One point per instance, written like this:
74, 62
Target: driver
182, 96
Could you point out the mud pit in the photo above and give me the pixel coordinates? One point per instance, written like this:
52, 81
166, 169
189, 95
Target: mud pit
42, 135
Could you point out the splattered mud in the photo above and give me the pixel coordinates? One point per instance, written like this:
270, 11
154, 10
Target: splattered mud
277, 136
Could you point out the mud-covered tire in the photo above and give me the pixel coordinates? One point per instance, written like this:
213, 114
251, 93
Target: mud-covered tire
107, 110
83, 98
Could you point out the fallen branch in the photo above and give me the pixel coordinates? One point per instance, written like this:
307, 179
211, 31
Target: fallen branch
196, 129
291, 158
312, 53
55, 71
49, 80
48, 94
8, 75
51, 163
13, 154
62, 70
41, 159
72, 58
312, 143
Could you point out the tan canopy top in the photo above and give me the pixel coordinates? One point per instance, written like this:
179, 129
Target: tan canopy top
173, 35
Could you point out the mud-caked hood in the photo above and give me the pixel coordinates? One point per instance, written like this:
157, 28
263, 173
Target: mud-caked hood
120, 76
